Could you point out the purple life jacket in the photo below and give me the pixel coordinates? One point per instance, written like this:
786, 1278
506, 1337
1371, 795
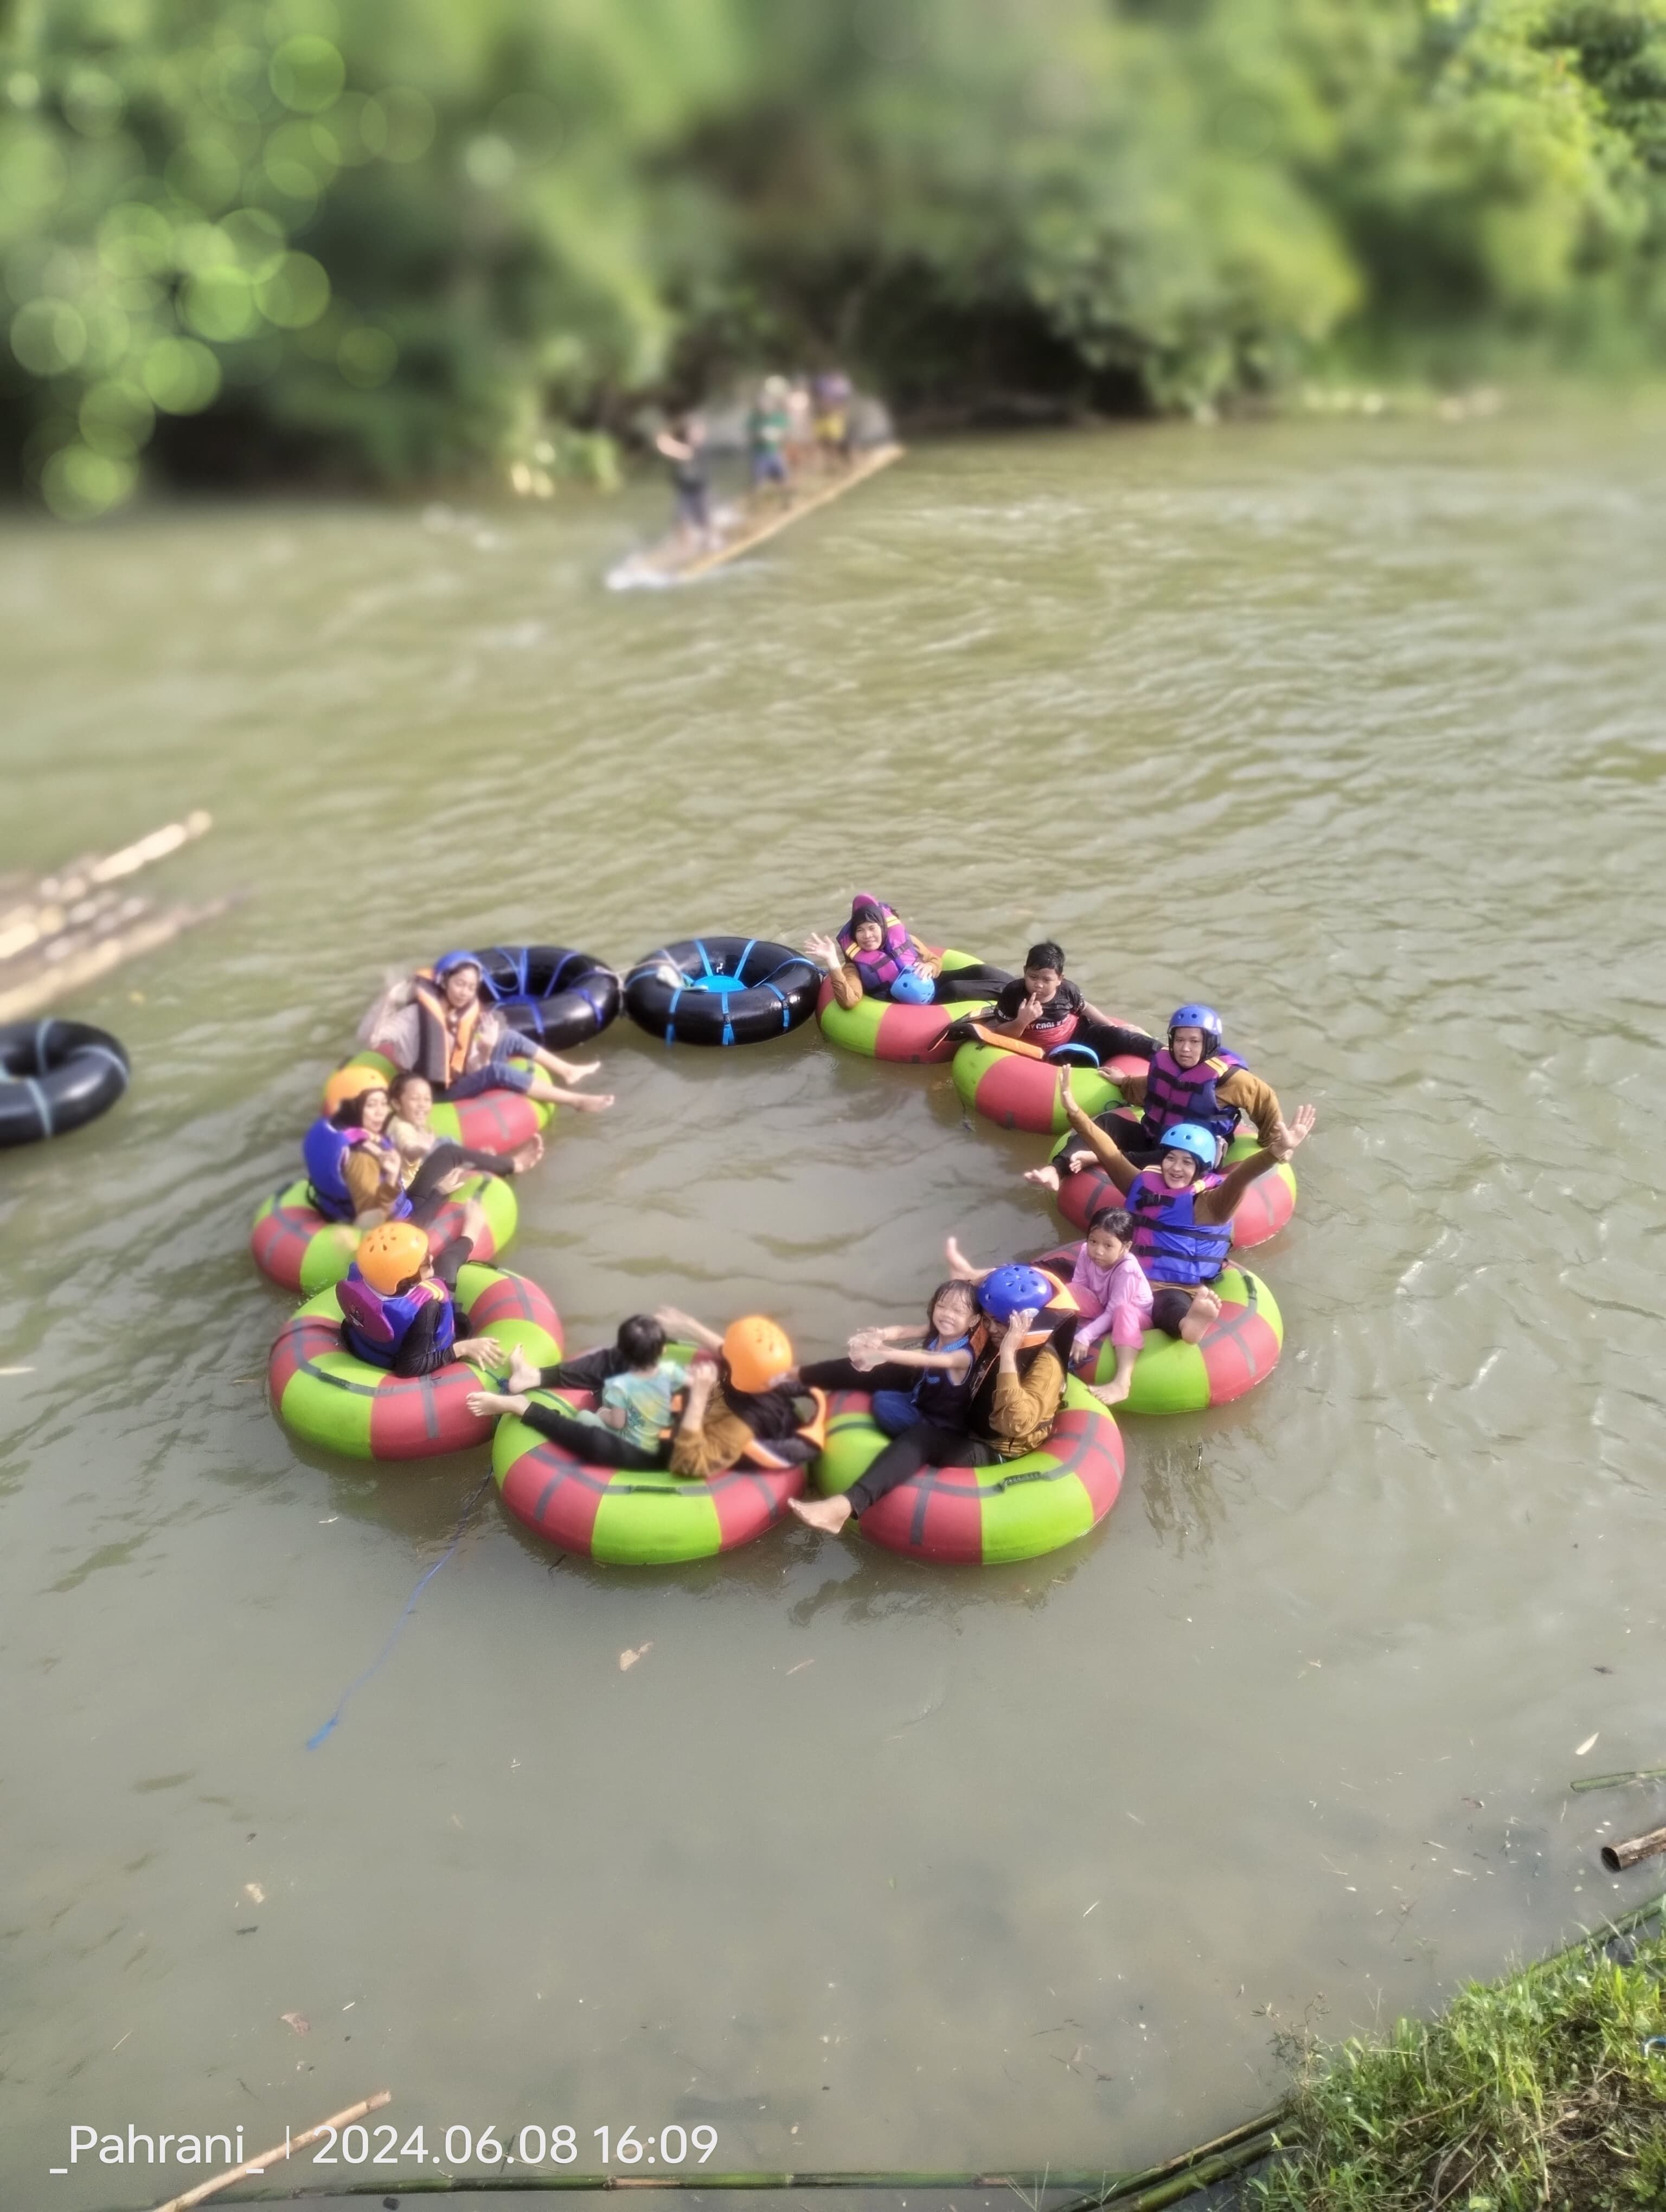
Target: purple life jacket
879, 969
324, 1150
1174, 1093
374, 1327
1169, 1243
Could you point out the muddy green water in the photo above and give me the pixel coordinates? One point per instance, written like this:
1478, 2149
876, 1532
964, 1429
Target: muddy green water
1353, 730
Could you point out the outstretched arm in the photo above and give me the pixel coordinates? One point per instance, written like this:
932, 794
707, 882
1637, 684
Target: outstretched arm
961, 1267
1219, 1205
1103, 1146
680, 1324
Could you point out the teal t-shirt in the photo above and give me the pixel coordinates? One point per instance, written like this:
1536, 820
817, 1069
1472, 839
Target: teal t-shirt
645, 1401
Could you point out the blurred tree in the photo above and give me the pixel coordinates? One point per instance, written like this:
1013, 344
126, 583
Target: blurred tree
394, 240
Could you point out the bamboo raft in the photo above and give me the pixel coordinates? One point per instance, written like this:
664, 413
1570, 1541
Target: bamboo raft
66, 930
671, 561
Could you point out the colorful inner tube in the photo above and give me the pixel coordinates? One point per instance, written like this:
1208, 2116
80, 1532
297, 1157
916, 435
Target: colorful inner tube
975, 1516
887, 1028
1237, 1351
1022, 1093
55, 1077
628, 1519
721, 990
326, 1396
496, 1121
297, 1247
559, 997
1266, 1207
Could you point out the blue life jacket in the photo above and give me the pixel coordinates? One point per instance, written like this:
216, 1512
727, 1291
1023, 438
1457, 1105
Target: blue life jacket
936, 1397
1174, 1093
375, 1325
1168, 1242
324, 1150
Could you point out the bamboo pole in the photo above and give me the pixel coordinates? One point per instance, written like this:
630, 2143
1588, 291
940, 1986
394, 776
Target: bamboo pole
49, 979
1254, 2137
278, 2153
880, 458
43, 911
1614, 1781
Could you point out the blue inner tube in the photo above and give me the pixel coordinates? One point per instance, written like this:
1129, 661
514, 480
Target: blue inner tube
547, 991
721, 990
54, 1076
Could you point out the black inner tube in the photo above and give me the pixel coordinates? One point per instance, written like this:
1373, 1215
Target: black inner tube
548, 992
55, 1076
721, 990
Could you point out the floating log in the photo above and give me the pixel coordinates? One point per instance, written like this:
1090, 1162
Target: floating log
71, 967
1616, 1857
278, 2153
60, 900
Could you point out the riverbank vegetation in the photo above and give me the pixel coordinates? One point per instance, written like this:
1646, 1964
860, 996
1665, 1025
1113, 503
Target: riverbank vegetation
394, 240
1540, 2091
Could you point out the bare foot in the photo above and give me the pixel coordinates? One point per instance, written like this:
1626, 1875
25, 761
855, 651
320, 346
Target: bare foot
584, 1102
522, 1374
1112, 1394
828, 1514
1047, 1177
526, 1156
487, 1405
574, 1070
1206, 1311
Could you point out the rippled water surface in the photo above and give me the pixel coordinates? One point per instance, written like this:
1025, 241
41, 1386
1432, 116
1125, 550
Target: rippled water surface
1354, 730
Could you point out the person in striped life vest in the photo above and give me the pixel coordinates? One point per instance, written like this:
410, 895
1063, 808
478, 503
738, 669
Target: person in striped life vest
1193, 1078
1183, 1210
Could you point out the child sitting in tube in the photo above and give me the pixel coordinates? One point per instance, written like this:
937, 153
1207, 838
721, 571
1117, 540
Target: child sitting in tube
1183, 1210
636, 1385
436, 1023
354, 1168
1194, 1077
399, 1306
1109, 1286
743, 1400
424, 1154
916, 1370
874, 955
1020, 1345
1047, 1013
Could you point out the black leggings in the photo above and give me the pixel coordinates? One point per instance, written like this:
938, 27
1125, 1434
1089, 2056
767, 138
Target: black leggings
978, 982
588, 1440
923, 1445
845, 1375
1107, 1038
425, 1201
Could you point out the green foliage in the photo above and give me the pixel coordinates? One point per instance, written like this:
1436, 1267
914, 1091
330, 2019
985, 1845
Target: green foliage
393, 239
1539, 2091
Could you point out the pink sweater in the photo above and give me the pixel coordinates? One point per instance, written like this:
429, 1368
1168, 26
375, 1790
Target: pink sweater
1116, 1300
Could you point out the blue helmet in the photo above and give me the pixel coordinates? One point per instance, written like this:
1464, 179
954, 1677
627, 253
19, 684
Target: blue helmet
1191, 1137
1197, 1017
444, 965
1013, 1289
913, 988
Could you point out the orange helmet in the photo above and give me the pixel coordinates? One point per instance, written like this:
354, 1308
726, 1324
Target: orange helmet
388, 1254
350, 1082
757, 1350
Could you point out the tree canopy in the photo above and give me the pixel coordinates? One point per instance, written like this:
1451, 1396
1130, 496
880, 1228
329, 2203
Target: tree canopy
396, 240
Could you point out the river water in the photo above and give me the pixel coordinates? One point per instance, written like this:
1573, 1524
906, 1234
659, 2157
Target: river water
1351, 729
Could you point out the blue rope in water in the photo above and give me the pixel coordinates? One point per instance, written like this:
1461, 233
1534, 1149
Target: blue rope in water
359, 1681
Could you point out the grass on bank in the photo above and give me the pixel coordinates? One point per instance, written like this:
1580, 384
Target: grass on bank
1530, 2093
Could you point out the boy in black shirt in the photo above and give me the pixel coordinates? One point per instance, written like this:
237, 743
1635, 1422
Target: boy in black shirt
1045, 1010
